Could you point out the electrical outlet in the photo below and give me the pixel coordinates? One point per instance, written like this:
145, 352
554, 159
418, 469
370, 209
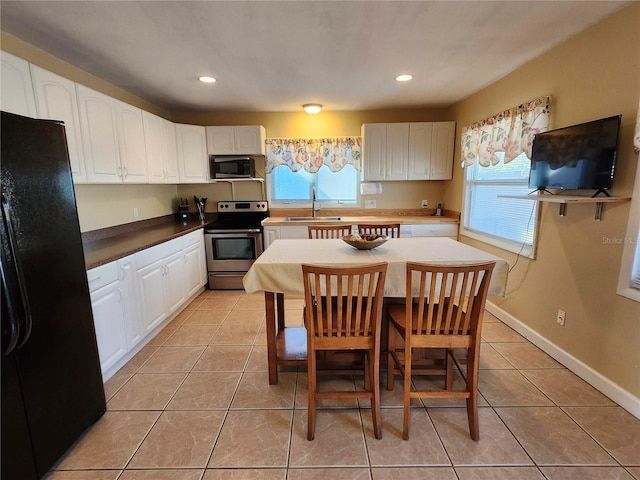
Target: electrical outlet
560, 317
425, 204
369, 204
136, 214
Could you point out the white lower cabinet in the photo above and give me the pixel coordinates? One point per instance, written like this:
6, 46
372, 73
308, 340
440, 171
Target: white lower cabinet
269, 235
166, 278
195, 267
133, 296
109, 313
435, 230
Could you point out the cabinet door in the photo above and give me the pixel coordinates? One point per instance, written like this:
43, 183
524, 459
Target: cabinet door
109, 321
154, 147
220, 140
99, 137
397, 158
374, 137
194, 262
270, 235
420, 150
193, 162
17, 90
130, 131
294, 231
135, 331
170, 153
152, 296
249, 139
56, 100
174, 281
442, 150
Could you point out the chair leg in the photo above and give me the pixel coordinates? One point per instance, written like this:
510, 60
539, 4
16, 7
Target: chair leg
367, 371
448, 381
472, 414
407, 391
311, 387
375, 390
472, 388
391, 365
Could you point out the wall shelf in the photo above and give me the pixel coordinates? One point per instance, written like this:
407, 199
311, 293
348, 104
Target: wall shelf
564, 199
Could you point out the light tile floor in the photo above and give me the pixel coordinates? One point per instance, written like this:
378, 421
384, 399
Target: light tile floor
195, 404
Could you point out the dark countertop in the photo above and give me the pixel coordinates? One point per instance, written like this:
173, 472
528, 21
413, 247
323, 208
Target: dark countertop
109, 244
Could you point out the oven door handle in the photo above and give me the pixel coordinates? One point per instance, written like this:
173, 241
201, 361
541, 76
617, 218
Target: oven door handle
252, 232
239, 233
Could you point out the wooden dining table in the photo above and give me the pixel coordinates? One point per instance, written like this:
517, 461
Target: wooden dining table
278, 272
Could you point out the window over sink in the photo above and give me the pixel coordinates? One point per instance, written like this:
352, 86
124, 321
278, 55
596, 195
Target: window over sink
286, 188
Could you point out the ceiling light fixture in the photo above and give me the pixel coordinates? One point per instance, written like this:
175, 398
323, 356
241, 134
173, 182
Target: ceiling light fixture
312, 108
404, 78
207, 79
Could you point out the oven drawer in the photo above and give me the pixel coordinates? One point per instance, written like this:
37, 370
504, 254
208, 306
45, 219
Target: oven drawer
226, 281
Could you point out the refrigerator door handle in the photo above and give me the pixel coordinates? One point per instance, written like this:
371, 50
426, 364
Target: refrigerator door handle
26, 331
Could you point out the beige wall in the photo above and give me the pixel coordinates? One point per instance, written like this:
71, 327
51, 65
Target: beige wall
593, 75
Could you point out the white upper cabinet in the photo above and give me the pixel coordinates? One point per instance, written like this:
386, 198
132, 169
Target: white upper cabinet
17, 90
193, 161
420, 150
160, 143
408, 151
230, 140
374, 144
133, 155
443, 138
397, 151
56, 100
113, 139
99, 136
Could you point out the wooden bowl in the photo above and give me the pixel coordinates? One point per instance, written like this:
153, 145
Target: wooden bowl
365, 242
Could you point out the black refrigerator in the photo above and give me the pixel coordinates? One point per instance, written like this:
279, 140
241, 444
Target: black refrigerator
51, 382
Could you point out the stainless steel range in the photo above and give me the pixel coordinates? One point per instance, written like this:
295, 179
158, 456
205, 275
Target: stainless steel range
233, 241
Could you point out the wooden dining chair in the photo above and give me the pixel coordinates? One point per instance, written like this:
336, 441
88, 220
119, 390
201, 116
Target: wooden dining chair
328, 231
389, 229
443, 309
343, 311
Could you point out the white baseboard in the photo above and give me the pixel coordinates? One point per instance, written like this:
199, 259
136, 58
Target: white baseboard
611, 389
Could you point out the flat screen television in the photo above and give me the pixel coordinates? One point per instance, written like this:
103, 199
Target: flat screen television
580, 157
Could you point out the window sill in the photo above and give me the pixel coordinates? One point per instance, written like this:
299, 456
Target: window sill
630, 293
517, 248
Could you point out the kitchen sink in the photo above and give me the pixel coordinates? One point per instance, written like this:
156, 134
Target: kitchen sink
313, 219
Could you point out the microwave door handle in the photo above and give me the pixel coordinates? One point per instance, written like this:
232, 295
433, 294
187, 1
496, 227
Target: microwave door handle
23, 300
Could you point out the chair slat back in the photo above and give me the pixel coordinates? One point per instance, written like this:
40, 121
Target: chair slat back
446, 299
345, 301
328, 231
390, 229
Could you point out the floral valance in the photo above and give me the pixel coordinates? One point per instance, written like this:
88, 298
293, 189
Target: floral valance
511, 131
312, 153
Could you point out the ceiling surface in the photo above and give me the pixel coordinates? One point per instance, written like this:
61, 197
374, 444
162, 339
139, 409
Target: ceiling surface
277, 55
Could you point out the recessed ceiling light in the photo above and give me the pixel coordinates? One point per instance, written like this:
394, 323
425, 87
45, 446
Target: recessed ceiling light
312, 108
404, 78
206, 79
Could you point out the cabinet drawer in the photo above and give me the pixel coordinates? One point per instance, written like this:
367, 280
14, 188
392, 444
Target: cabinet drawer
103, 275
435, 230
191, 238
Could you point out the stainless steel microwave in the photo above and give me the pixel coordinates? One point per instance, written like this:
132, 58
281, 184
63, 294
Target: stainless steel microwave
226, 166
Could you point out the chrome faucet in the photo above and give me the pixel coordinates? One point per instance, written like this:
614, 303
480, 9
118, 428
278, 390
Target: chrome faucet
313, 201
